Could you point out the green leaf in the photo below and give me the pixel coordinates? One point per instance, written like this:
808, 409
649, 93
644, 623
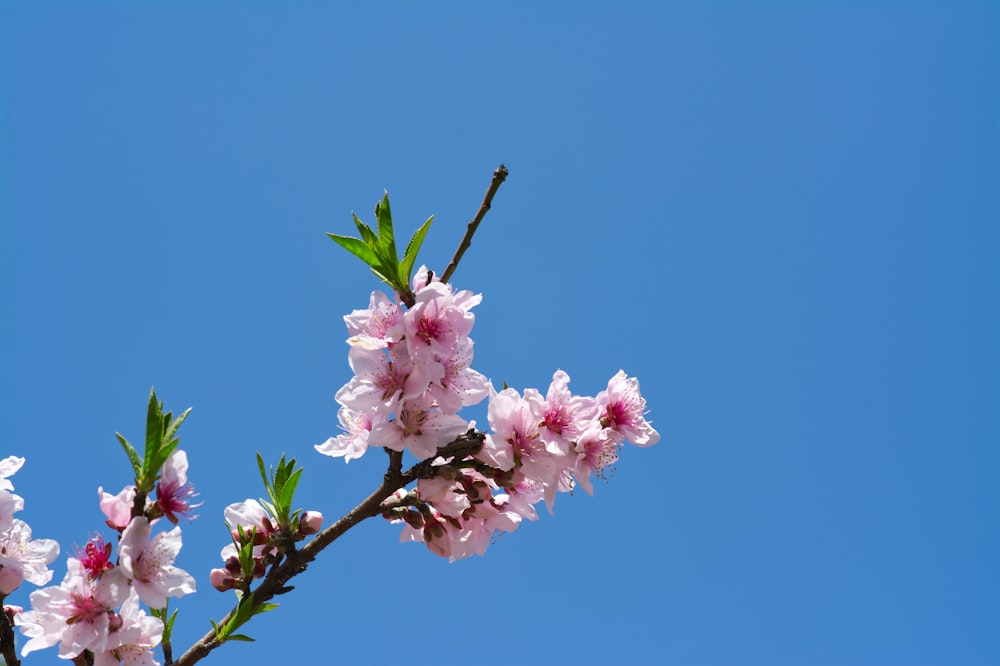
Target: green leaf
241, 637
410, 256
367, 235
154, 435
133, 456
386, 237
173, 426
288, 489
357, 247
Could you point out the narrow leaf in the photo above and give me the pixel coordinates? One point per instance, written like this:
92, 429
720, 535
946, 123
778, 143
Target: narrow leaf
154, 430
386, 237
367, 235
412, 248
133, 456
356, 247
288, 490
175, 424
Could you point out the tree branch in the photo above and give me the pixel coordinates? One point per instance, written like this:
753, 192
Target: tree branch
7, 647
296, 561
499, 175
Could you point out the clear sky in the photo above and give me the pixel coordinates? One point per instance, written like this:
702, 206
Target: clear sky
782, 218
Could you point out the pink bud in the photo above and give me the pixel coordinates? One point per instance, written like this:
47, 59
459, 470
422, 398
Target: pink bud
311, 522
114, 621
221, 580
11, 611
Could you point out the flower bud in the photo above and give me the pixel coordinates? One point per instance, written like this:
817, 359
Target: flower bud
221, 580
414, 519
115, 621
311, 522
11, 611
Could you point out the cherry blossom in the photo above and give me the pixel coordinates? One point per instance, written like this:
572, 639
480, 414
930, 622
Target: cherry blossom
150, 564
624, 410
134, 639
76, 613
117, 508
173, 492
353, 442
24, 558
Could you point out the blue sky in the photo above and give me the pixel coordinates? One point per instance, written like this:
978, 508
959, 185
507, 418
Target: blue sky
782, 217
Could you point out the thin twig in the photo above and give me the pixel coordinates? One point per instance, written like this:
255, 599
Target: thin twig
499, 176
296, 561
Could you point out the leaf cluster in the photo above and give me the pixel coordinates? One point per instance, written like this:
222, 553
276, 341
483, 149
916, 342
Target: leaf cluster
161, 440
280, 485
378, 250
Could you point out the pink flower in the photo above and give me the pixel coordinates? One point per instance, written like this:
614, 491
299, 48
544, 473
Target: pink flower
76, 613
9, 502
438, 319
459, 385
623, 409
248, 515
596, 449
381, 382
133, 641
514, 421
447, 497
377, 327
354, 442
117, 508
24, 558
563, 415
173, 492
419, 429
8, 467
96, 557
150, 564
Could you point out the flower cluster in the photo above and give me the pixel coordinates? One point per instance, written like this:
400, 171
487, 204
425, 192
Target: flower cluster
250, 524
413, 374
21, 557
96, 607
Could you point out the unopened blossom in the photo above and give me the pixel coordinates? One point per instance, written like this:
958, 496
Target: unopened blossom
133, 641
447, 497
76, 613
150, 564
174, 494
117, 508
623, 409
310, 522
249, 515
24, 558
